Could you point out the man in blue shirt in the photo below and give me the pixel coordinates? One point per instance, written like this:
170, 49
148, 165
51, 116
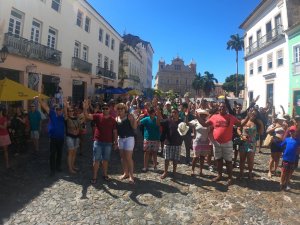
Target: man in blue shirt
56, 131
35, 123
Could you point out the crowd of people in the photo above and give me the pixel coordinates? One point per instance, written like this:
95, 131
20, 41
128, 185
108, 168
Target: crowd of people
215, 131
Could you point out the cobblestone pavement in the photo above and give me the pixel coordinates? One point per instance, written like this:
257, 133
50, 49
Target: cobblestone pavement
29, 196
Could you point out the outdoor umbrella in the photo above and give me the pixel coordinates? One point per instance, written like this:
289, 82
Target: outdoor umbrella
134, 92
13, 91
111, 91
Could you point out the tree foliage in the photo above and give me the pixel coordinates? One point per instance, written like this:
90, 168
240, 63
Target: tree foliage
205, 83
230, 86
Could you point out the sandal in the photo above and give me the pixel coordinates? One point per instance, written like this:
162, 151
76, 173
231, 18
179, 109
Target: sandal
144, 170
106, 178
93, 181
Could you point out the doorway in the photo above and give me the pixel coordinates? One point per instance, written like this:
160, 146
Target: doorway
296, 102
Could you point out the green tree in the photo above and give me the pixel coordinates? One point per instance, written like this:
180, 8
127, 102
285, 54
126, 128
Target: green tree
197, 83
208, 83
236, 43
230, 84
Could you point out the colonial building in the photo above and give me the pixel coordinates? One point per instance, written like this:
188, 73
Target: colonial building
58, 45
267, 63
176, 76
294, 57
135, 63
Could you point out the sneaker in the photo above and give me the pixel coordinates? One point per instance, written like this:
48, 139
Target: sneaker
211, 168
288, 188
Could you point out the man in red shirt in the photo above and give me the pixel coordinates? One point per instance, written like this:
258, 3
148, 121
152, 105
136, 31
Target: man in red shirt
104, 137
222, 124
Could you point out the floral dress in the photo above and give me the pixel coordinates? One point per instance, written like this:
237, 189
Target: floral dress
249, 145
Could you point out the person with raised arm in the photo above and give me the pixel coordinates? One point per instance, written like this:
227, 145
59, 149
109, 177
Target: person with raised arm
56, 131
105, 138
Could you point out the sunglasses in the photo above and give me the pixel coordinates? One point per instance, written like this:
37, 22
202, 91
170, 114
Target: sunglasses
105, 108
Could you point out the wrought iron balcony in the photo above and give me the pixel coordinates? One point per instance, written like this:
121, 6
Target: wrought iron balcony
102, 72
134, 78
20, 46
81, 65
296, 68
265, 40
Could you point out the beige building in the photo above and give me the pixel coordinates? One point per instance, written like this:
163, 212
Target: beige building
135, 63
57, 45
176, 76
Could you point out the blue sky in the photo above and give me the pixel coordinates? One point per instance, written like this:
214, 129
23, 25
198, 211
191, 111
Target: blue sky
190, 29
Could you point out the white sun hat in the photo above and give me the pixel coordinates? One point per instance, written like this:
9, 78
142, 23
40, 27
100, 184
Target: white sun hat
182, 128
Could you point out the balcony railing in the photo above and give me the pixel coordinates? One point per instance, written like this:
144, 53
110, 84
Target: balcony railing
296, 68
265, 40
134, 78
29, 49
81, 65
102, 72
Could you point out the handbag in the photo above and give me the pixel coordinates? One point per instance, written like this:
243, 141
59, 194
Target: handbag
268, 140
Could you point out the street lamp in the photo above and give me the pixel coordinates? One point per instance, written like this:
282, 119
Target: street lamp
3, 54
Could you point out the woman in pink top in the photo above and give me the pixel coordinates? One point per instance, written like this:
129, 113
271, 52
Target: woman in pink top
4, 136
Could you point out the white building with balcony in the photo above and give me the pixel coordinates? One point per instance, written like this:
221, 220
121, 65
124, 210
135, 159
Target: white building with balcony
135, 63
58, 45
266, 54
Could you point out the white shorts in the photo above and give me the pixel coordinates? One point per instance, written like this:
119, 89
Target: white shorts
34, 134
126, 144
224, 151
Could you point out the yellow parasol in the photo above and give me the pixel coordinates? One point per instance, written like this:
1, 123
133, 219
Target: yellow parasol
13, 91
134, 92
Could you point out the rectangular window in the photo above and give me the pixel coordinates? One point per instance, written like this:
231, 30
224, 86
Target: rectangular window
15, 23
52, 36
258, 37
251, 69
297, 54
279, 58
77, 48
107, 37
111, 65
112, 44
56, 5
269, 30
106, 62
270, 89
87, 24
99, 62
79, 18
259, 65
270, 61
85, 53
35, 31
100, 35
250, 96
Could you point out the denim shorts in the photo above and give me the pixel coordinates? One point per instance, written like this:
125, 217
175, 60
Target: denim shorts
126, 144
72, 143
101, 151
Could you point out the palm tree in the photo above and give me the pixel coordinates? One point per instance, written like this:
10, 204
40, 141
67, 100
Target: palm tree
236, 43
197, 83
208, 83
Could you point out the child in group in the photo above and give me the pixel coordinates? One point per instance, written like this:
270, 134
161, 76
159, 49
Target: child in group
288, 158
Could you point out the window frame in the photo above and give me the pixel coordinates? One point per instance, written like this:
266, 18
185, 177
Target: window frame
112, 45
259, 65
85, 53
279, 59
100, 35
107, 39
57, 2
99, 60
251, 71
296, 54
270, 61
87, 25
16, 22
79, 19
77, 49
34, 30
53, 37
